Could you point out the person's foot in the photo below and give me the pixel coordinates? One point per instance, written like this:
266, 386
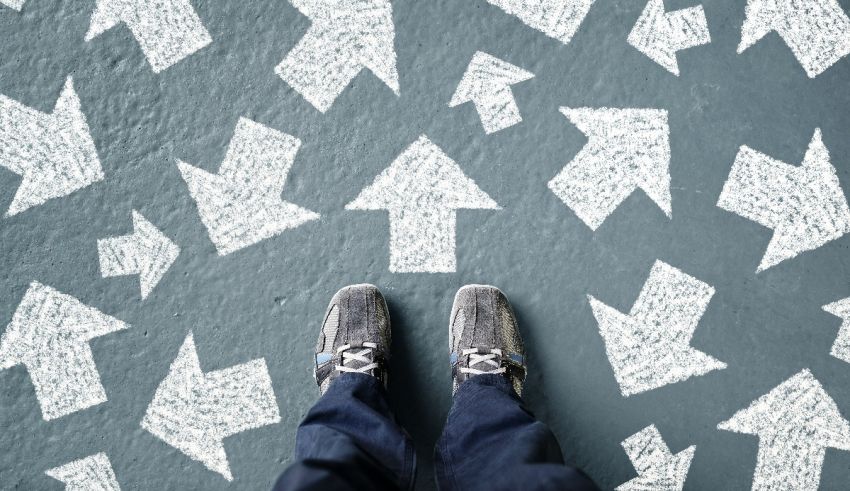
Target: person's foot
483, 336
355, 336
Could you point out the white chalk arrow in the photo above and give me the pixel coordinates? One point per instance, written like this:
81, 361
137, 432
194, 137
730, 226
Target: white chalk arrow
195, 411
841, 347
804, 205
14, 4
92, 473
626, 149
658, 469
49, 334
650, 346
795, 423
146, 252
346, 36
241, 205
422, 190
487, 83
817, 31
659, 34
167, 31
53, 153
558, 19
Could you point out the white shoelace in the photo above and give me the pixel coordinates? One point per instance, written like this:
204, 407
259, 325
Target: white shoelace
475, 358
360, 356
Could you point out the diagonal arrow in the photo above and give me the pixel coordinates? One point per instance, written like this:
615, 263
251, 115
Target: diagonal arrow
795, 423
49, 334
626, 149
658, 469
486, 83
87, 474
167, 31
14, 4
422, 190
817, 31
146, 252
241, 205
195, 411
659, 34
53, 153
650, 346
346, 36
804, 205
558, 19
841, 347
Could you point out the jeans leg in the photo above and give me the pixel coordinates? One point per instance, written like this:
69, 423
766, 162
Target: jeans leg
491, 441
349, 440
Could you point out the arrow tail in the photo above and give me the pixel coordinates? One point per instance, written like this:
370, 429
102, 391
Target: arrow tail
242, 397
422, 241
788, 462
498, 110
119, 256
688, 28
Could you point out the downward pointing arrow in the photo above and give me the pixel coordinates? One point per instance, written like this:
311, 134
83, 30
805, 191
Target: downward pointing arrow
88, 474
658, 468
194, 411
559, 19
795, 422
804, 205
841, 347
660, 35
146, 252
346, 37
422, 190
487, 84
49, 334
54, 153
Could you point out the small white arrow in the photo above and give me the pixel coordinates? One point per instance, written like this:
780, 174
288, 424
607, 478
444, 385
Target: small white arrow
658, 469
626, 149
558, 19
841, 347
87, 474
241, 205
195, 411
53, 153
14, 4
650, 346
346, 36
486, 83
659, 35
804, 205
146, 252
795, 423
422, 190
167, 31
49, 334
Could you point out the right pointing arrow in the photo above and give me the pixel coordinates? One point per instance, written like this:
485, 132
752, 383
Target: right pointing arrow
658, 469
92, 473
841, 347
659, 35
795, 422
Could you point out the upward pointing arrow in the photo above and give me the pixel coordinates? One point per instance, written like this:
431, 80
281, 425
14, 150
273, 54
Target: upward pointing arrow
54, 153
659, 35
87, 474
167, 31
49, 334
422, 190
346, 37
487, 84
658, 469
559, 19
14, 4
841, 347
795, 422
804, 205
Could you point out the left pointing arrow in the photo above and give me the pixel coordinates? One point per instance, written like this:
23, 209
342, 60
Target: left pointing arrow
87, 474
49, 334
53, 153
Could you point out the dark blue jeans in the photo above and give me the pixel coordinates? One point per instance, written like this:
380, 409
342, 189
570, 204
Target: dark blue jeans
349, 440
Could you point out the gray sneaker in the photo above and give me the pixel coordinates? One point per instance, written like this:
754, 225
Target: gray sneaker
483, 336
355, 336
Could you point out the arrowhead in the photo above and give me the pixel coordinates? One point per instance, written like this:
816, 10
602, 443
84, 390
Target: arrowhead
660, 35
158, 252
485, 76
558, 19
759, 20
106, 15
87, 474
841, 347
658, 468
14, 4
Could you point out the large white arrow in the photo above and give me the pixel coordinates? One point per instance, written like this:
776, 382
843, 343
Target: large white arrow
167, 31
14, 4
817, 31
658, 469
659, 35
795, 422
650, 346
241, 205
195, 411
422, 190
87, 474
559, 19
626, 149
841, 347
49, 334
146, 252
487, 83
346, 36
804, 205
53, 153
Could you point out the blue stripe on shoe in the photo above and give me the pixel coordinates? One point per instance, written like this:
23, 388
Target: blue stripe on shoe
453, 358
322, 358
517, 358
